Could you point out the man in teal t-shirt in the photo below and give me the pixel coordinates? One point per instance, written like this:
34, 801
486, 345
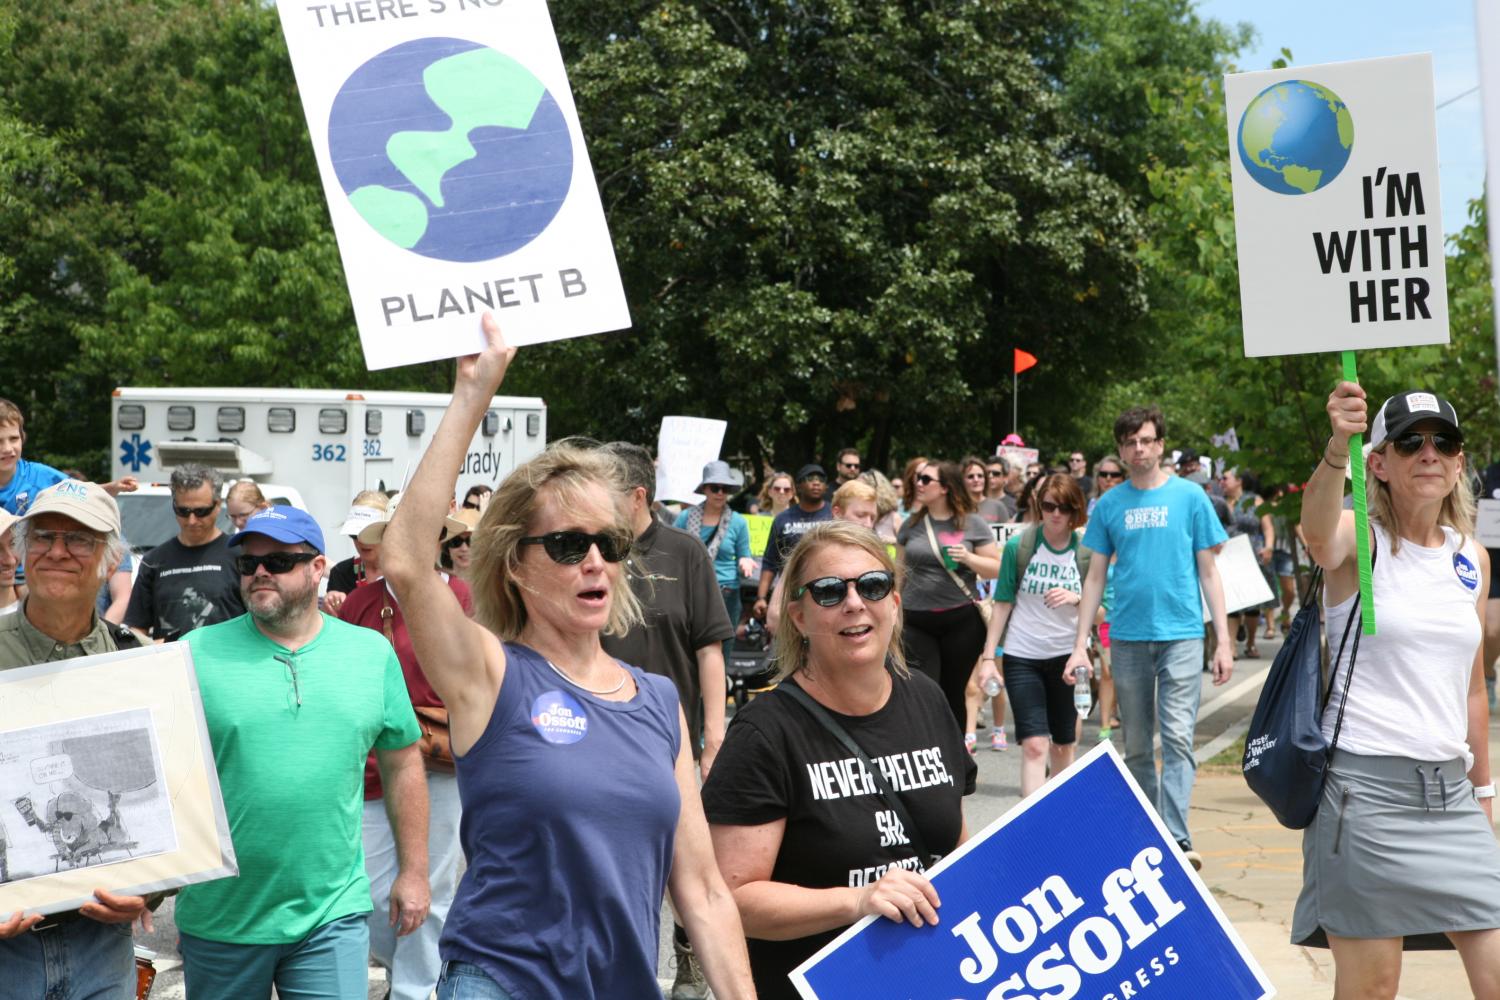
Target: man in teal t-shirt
295, 701
1164, 533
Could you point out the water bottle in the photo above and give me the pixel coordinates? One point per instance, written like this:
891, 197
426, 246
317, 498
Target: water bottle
1082, 702
992, 687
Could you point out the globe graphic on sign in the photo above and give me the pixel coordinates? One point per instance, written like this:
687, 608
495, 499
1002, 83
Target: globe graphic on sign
1295, 137
450, 149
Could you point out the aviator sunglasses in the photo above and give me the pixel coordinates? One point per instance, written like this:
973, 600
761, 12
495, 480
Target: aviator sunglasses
276, 563
1447, 444
568, 548
829, 591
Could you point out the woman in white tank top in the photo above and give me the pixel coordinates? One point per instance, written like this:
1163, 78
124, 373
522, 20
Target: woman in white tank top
1402, 854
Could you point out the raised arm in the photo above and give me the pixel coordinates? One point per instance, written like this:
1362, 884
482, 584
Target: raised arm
1328, 529
464, 661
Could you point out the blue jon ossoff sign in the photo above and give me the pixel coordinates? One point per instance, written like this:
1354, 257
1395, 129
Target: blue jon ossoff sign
1076, 892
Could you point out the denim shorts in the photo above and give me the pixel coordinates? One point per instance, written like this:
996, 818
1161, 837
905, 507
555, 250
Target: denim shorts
1283, 563
1040, 701
466, 981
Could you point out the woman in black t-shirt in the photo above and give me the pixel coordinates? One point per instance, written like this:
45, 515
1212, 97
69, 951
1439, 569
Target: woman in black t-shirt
802, 836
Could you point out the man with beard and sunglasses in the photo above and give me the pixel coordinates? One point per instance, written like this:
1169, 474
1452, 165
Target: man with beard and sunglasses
294, 700
188, 581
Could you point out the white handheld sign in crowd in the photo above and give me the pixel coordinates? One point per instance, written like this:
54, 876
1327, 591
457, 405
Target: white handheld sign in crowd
683, 447
1123, 915
456, 174
1336, 206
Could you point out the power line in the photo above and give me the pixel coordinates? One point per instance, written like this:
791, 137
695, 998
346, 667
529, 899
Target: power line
1458, 97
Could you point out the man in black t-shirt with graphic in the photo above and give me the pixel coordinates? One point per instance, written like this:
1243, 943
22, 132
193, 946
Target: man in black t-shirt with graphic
188, 581
789, 527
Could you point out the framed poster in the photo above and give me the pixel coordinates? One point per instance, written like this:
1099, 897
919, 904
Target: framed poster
107, 780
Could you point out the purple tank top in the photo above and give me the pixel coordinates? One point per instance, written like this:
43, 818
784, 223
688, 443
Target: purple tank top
570, 807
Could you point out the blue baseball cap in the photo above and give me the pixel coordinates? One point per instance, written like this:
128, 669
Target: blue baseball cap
282, 524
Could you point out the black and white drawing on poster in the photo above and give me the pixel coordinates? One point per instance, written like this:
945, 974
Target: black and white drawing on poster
82, 793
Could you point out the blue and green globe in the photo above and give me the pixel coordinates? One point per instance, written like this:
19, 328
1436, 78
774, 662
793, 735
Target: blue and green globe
450, 149
1295, 137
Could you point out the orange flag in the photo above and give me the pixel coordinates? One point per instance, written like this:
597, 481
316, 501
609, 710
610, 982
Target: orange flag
1024, 361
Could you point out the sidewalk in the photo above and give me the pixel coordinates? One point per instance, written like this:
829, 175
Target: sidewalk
1253, 865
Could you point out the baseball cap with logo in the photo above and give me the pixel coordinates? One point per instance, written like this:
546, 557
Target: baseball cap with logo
86, 503
1404, 409
282, 524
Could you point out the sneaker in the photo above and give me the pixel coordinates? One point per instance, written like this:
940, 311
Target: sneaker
997, 740
1105, 734
1193, 857
689, 983
969, 740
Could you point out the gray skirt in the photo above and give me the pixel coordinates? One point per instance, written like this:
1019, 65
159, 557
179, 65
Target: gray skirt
1397, 852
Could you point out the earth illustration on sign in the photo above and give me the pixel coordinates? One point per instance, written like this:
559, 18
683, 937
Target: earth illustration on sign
1295, 137
450, 149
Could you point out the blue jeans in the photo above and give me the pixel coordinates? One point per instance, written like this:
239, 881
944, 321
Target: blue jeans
1160, 681
463, 981
413, 960
80, 960
331, 963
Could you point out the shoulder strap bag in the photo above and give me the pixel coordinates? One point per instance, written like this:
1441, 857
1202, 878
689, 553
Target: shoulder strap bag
887, 794
435, 745
984, 606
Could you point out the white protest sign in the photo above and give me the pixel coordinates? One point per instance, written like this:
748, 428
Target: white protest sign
1019, 454
1487, 17
1487, 525
456, 174
683, 447
1336, 206
1239, 572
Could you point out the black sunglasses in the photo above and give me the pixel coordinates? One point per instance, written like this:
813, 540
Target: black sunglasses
925, 480
717, 488
829, 591
456, 541
1110, 474
1447, 445
199, 512
276, 563
569, 548
1048, 507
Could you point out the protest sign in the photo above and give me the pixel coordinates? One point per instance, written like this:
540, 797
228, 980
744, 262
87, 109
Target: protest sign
1487, 16
1487, 526
684, 445
107, 780
1112, 911
760, 532
1336, 207
1019, 454
455, 172
1004, 531
1240, 574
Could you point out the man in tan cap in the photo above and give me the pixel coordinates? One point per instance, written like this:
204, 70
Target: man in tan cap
70, 539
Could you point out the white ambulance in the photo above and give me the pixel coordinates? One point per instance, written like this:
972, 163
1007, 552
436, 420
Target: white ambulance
324, 444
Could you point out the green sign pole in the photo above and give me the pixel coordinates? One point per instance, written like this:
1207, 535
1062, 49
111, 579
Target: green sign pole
1361, 517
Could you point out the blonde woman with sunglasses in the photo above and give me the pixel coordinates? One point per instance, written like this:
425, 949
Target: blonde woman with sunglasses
1401, 854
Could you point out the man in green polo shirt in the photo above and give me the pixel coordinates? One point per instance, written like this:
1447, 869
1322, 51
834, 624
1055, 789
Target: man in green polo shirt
295, 701
70, 539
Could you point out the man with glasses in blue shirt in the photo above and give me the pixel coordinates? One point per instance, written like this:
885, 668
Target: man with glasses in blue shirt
1164, 533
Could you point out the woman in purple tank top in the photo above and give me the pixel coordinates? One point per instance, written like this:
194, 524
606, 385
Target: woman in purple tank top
579, 793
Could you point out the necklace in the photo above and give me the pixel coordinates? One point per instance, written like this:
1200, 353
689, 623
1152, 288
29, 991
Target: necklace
558, 671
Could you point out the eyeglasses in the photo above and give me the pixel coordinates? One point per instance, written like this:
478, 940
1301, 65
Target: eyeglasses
1448, 445
781, 489
717, 488
198, 512
1076, 459
78, 543
276, 563
1048, 507
849, 465
291, 674
995, 473
830, 591
1110, 474
925, 480
454, 543
1139, 442
568, 548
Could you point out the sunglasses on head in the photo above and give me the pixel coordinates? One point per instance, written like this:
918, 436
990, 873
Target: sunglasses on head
569, 548
830, 591
1447, 443
276, 563
198, 512
1048, 507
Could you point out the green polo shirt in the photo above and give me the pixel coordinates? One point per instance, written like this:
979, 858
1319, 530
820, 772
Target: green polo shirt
22, 645
292, 774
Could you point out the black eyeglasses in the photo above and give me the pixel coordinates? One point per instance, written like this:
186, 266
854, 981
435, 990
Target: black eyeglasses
995, 473
568, 548
829, 591
717, 488
1448, 445
198, 512
276, 563
925, 480
1110, 474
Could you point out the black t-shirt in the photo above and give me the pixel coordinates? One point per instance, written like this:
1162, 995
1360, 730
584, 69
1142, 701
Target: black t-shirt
787, 530
346, 575
180, 588
672, 575
779, 763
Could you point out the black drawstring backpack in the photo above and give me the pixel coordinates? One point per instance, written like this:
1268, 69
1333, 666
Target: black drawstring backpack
1286, 756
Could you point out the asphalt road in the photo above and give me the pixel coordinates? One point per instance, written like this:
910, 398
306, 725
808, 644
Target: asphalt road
1222, 718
